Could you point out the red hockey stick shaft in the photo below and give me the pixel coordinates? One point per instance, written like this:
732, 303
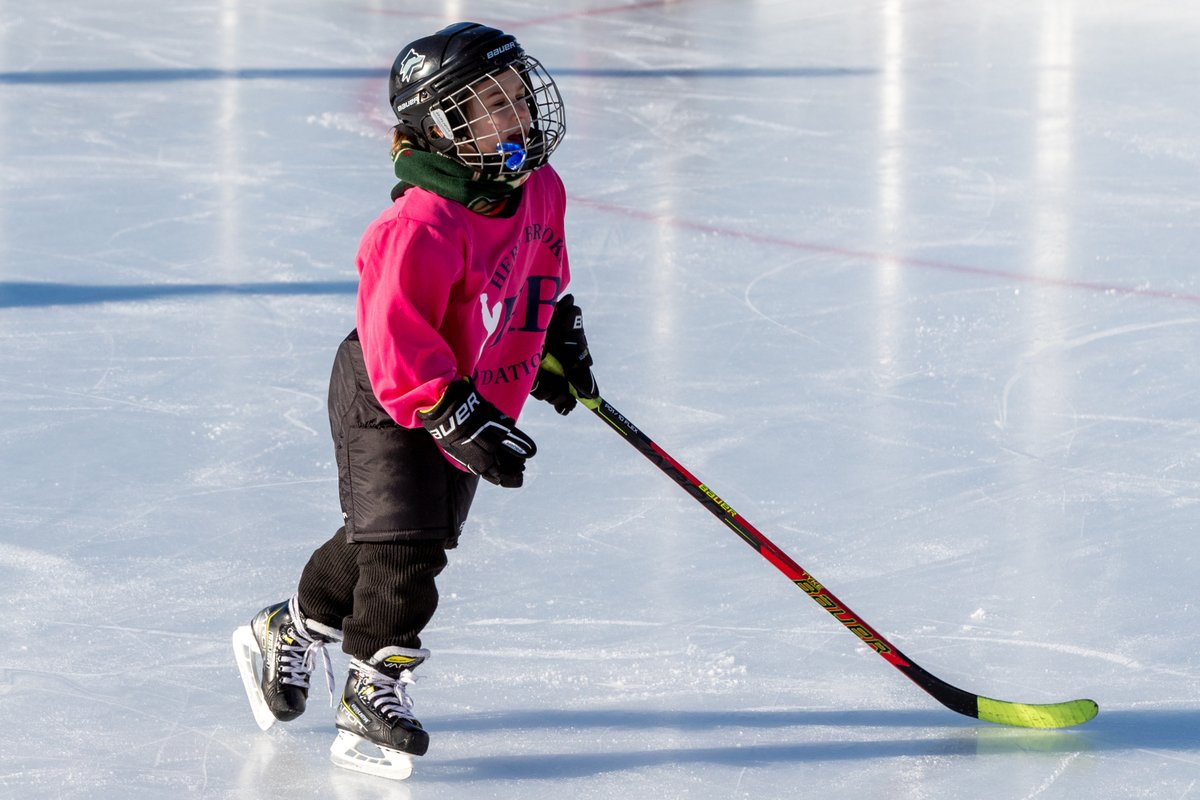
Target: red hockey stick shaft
1050, 715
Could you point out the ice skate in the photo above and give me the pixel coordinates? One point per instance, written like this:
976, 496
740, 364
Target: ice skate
377, 732
276, 653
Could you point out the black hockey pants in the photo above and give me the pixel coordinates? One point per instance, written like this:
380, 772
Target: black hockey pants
403, 505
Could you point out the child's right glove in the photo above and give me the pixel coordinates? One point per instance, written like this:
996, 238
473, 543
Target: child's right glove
478, 435
567, 343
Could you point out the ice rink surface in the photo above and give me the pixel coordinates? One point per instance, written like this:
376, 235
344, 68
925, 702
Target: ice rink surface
911, 283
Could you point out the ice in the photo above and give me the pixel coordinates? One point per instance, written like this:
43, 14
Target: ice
911, 285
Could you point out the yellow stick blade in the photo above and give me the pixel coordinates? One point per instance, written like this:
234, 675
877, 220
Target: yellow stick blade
1026, 715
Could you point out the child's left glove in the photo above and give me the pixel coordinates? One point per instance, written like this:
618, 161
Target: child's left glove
567, 344
478, 435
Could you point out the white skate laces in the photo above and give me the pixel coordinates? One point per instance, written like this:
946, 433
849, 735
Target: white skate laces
298, 660
388, 695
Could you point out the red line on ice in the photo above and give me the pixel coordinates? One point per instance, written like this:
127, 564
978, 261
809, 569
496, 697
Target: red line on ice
869, 255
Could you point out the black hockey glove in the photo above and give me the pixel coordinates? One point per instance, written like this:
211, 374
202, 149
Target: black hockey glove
567, 345
478, 435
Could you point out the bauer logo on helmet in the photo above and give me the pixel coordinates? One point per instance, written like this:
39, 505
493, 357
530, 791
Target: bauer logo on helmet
493, 53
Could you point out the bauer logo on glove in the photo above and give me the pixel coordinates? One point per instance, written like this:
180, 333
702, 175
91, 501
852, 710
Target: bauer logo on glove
478, 435
460, 415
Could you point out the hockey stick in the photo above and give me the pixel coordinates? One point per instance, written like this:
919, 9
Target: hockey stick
1025, 715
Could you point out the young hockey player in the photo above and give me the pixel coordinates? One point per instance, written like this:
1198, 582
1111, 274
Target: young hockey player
460, 312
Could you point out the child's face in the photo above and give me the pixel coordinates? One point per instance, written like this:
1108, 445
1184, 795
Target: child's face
497, 112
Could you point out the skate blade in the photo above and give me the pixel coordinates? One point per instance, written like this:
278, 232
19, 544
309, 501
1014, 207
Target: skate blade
353, 752
249, 661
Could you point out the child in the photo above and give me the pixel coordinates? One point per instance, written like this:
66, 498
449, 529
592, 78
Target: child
459, 302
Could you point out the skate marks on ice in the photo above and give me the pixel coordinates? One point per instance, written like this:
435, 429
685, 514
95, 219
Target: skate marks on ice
564, 745
296, 764
798, 737
1059, 346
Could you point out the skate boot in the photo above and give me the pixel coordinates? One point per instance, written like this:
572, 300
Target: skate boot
276, 653
377, 732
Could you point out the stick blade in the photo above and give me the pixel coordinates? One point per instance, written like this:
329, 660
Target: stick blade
1030, 715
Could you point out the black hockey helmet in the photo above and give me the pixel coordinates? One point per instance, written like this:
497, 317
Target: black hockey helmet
435, 79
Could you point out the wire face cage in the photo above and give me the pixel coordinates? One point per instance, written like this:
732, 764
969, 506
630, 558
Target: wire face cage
506, 123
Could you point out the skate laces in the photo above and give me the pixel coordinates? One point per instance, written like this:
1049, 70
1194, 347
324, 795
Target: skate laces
389, 695
299, 659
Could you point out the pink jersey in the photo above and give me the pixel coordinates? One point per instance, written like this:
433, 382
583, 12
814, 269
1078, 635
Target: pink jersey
445, 293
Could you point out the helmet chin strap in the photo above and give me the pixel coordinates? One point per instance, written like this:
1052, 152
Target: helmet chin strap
437, 127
